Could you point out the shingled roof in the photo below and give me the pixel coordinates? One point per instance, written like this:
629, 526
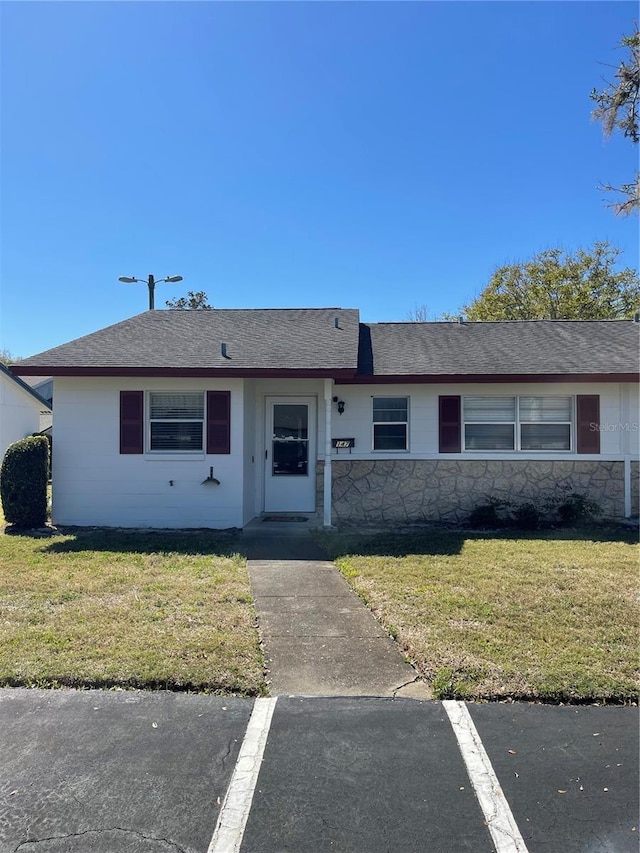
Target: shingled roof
332, 342
4, 371
523, 347
307, 340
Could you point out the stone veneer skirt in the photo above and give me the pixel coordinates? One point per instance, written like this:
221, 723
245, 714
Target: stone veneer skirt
406, 490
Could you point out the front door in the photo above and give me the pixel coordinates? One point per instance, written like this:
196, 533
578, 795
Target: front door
290, 456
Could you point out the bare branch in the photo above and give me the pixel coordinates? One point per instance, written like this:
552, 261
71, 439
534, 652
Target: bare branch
617, 108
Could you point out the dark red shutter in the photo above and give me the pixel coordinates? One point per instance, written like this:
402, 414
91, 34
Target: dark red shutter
131, 421
218, 421
588, 423
450, 426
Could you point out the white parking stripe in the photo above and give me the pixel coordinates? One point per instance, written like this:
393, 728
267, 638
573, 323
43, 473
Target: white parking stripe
232, 819
502, 826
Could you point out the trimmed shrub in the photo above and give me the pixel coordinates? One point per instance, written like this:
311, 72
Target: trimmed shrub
23, 482
489, 514
49, 438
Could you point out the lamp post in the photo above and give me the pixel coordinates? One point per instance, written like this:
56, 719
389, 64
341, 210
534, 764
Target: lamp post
151, 282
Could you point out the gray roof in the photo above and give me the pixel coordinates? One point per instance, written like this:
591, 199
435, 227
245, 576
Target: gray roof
263, 339
327, 340
24, 387
502, 348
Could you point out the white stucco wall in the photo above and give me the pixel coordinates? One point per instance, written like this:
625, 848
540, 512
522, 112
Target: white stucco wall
619, 433
93, 484
19, 413
250, 458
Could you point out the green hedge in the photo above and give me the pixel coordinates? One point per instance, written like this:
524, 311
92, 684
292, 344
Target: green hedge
23, 482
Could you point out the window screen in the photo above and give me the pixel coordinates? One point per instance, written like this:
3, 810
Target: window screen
176, 421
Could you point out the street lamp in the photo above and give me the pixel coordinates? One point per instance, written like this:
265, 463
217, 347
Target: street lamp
151, 282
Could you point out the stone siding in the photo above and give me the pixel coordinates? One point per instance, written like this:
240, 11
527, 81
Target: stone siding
404, 490
320, 486
635, 488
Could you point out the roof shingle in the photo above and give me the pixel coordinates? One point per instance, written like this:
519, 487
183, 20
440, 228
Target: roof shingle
506, 347
289, 339
333, 339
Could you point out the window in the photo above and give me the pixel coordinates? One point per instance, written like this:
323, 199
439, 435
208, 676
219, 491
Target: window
545, 423
489, 423
176, 421
517, 423
390, 423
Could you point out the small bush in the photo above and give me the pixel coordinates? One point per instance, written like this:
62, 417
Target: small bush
576, 508
489, 514
23, 482
527, 516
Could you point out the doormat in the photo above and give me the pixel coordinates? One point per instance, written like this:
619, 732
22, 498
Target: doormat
285, 518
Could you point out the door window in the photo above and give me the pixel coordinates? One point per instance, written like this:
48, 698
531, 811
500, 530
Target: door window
290, 440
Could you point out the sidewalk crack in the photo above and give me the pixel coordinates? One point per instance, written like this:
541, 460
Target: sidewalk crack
405, 684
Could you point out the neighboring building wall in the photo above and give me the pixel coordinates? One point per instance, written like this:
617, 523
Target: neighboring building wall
45, 389
93, 484
19, 414
397, 491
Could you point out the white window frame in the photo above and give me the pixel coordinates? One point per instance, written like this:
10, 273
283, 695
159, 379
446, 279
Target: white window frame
570, 423
375, 423
512, 423
518, 423
149, 421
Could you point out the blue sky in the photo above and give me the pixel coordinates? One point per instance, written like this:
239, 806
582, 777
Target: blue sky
370, 155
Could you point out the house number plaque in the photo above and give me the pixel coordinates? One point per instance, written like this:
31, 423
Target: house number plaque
343, 443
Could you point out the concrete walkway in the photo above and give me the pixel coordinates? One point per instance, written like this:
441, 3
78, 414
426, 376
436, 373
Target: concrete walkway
319, 639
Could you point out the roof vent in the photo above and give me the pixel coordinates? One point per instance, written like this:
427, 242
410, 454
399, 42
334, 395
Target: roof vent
636, 317
223, 351
336, 322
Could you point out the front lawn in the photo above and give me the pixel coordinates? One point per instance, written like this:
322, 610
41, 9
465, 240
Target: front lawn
550, 616
113, 608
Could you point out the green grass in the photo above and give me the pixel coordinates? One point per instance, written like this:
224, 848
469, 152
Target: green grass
110, 608
550, 616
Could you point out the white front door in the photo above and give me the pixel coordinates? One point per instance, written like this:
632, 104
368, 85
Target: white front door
290, 457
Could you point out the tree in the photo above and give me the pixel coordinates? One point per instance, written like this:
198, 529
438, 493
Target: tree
617, 109
419, 314
422, 314
193, 301
556, 285
7, 358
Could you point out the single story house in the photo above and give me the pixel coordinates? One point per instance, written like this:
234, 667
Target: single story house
212, 418
23, 411
44, 386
